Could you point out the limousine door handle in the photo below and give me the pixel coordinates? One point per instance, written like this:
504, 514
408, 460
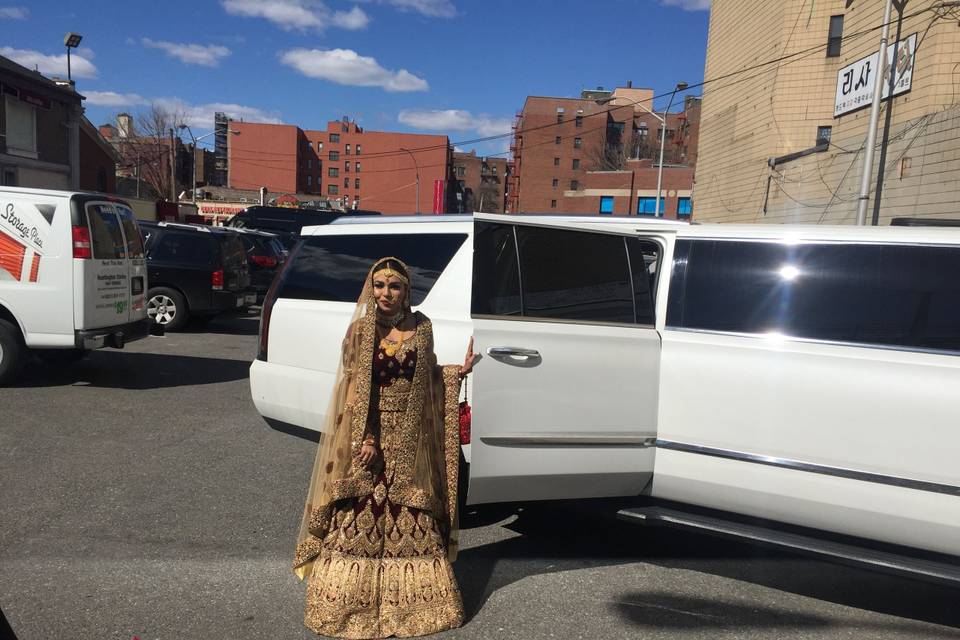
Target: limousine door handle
501, 352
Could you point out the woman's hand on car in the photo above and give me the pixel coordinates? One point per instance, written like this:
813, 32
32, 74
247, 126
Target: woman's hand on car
468, 360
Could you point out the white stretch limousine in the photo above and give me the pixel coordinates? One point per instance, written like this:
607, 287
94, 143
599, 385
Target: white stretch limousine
805, 376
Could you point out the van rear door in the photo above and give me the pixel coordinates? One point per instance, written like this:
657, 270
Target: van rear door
103, 281
565, 401
136, 263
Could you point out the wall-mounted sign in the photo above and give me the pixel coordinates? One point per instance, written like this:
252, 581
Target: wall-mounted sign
855, 81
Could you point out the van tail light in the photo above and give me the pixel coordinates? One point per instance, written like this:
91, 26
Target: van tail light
81, 242
216, 280
264, 261
267, 309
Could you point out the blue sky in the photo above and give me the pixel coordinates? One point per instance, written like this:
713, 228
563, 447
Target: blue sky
457, 67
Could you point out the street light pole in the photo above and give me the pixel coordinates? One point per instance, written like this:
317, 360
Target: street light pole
71, 41
865, 179
193, 168
416, 168
663, 141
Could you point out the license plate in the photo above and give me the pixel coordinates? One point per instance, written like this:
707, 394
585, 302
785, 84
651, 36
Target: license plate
250, 298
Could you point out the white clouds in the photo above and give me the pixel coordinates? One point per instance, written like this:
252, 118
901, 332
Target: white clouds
297, 15
14, 13
113, 99
353, 20
688, 5
345, 66
454, 120
203, 55
53, 65
201, 115
432, 8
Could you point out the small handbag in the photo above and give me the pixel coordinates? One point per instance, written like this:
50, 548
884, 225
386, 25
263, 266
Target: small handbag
465, 417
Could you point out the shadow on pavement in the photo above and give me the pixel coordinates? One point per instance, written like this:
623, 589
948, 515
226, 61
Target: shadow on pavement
131, 370
578, 535
233, 324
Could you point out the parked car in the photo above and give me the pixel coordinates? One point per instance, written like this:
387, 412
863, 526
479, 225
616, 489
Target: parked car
195, 271
286, 222
265, 256
794, 385
72, 275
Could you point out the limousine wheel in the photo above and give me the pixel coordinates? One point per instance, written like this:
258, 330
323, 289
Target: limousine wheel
167, 307
12, 352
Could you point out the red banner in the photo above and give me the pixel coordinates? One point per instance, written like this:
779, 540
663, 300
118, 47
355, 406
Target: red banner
438, 196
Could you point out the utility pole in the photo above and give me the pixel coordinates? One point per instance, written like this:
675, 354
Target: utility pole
865, 179
173, 169
138, 173
887, 116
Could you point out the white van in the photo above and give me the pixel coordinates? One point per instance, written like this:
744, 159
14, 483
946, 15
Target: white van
72, 275
794, 385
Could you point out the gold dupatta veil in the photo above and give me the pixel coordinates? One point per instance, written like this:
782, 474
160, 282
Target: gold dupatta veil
426, 463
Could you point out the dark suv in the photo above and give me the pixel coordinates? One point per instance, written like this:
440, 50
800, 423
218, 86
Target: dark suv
265, 256
286, 222
194, 271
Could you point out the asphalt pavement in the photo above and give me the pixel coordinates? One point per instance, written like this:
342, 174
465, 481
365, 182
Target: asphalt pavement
143, 496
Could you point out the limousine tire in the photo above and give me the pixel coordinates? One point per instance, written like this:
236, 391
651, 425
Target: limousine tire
13, 353
167, 307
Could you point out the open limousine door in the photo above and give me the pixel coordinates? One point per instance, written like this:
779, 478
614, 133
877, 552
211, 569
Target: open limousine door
565, 402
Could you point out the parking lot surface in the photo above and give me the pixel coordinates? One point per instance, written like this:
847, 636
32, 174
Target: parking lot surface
143, 496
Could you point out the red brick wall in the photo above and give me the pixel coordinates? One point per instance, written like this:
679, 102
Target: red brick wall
263, 155
98, 171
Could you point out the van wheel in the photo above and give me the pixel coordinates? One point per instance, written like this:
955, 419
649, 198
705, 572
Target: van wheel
12, 352
168, 308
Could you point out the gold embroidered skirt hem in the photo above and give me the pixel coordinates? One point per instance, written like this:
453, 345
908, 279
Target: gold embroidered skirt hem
350, 596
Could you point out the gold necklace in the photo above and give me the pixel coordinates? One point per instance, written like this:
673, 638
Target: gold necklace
391, 347
390, 322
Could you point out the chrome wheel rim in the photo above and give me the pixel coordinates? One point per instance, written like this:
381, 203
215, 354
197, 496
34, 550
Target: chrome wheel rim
162, 309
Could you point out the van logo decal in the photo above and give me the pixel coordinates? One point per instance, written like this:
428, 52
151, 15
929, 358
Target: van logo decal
121, 306
47, 211
21, 228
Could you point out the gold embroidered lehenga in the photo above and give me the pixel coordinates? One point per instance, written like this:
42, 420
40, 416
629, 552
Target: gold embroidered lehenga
376, 544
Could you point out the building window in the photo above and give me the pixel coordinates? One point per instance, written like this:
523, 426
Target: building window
557, 140
333, 172
576, 163
309, 181
574, 185
835, 37
358, 148
335, 155
823, 135
346, 183
579, 121
21, 128
319, 147
346, 148
559, 115
333, 189
577, 143
9, 177
356, 183
346, 166
556, 183
460, 171
556, 162
647, 206
553, 204
356, 167
309, 163
334, 137
606, 204
684, 207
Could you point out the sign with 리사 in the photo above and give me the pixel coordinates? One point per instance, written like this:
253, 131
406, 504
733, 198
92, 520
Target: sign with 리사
855, 81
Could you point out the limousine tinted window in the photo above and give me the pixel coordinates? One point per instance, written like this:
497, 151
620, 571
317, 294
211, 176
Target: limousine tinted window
333, 267
496, 281
894, 295
565, 275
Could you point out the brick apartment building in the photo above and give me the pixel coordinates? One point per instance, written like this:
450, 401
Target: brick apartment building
481, 182
374, 170
785, 144
144, 168
599, 154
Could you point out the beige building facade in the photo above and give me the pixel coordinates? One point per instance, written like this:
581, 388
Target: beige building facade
771, 148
